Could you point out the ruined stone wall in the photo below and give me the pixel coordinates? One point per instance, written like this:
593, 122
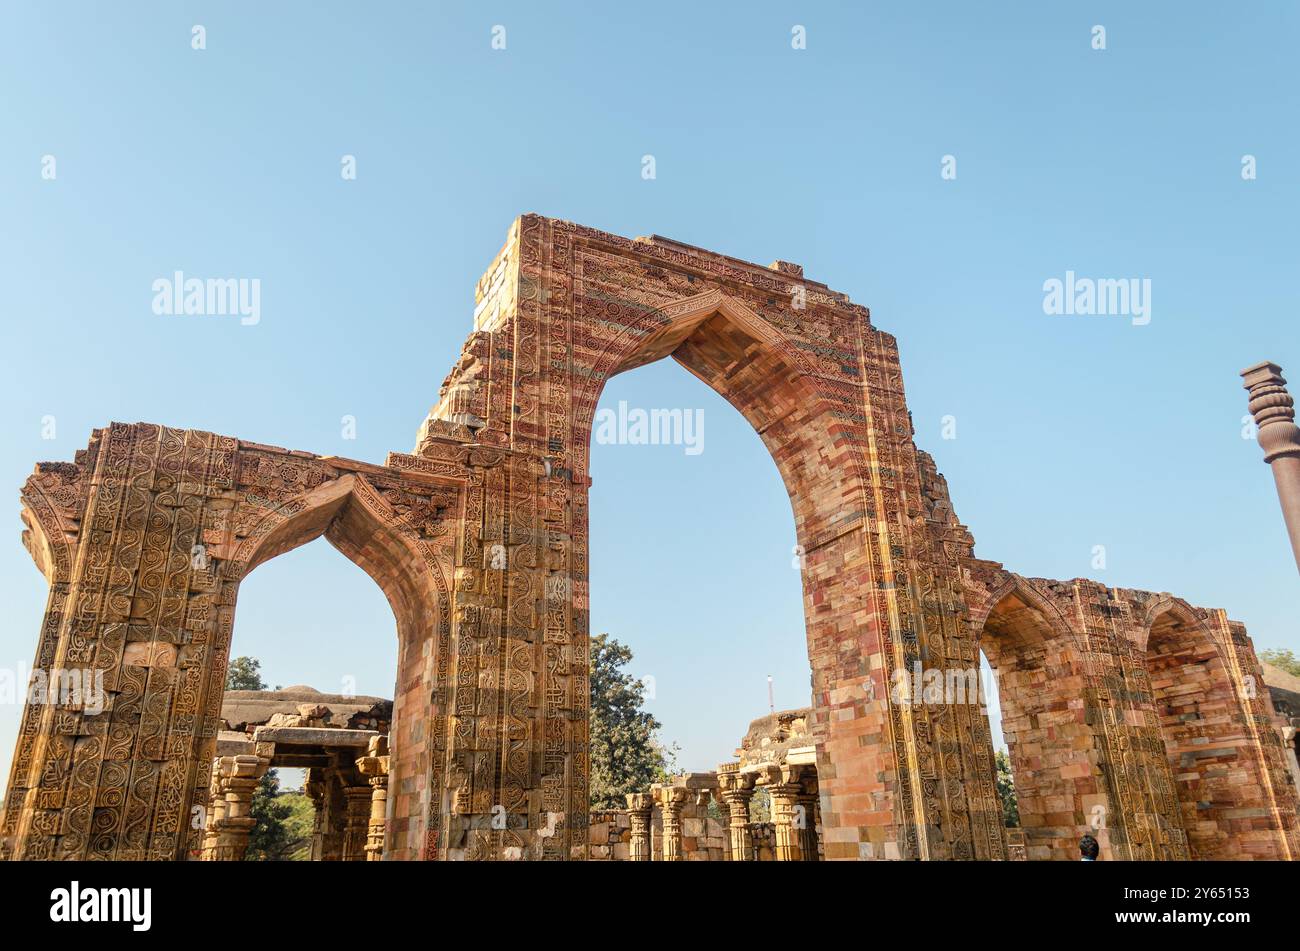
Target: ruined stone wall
610, 836
704, 837
144, 541
566, 307
1120, 701
1127, 714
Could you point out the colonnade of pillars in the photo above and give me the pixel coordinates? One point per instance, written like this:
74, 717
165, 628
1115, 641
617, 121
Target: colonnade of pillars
795, 813
350, 799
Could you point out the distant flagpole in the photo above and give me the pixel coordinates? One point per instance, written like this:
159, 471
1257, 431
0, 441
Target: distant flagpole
771, 703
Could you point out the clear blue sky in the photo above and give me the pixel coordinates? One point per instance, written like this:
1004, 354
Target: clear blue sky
1072, 431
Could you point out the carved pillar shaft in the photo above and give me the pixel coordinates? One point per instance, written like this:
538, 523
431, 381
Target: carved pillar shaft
356, 831
216, 813
742, 841
1274, 411
374, 766
232, 823
639, 809
785, 801
671, 801
378, 818
806, 826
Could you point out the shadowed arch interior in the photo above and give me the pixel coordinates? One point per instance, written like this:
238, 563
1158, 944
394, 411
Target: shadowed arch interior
1194, 700
1019, 640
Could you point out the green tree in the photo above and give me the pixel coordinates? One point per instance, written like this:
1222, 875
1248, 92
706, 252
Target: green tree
1282, 659
1007, 790
284, 823
245, 673
626, 755
279, 834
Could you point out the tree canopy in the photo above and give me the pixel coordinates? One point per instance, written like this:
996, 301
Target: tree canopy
1281, 659
1006, 790
626, 755
245, 673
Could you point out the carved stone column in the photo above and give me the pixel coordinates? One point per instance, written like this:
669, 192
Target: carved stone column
237, 779
806, 813
1279, 437
314, 786
330, 833
216, 812
735, 790
671, 800
640, 806
374, 766
355, 835
783, 787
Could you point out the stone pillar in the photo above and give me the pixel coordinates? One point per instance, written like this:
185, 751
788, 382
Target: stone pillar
806, 812
1279, 437
1290, 750
640, 806
231, 825
784, 789
671, 799
355, 835
735, 790
314, 786
216, 812
374, 766
326, 787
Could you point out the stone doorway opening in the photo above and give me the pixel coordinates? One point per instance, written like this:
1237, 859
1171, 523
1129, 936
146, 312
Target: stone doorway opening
345, 744
681, 471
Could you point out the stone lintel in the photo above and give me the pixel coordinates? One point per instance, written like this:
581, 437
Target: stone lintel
313, 736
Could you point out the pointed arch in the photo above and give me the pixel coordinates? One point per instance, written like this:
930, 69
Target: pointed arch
1204, 721
357, 521
1030, 596
683, 317
1035, 656
1178, 613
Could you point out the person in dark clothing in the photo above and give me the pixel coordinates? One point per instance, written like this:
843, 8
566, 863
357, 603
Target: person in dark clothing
1089, 849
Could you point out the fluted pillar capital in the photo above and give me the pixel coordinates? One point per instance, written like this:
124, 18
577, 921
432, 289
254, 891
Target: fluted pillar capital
1273, 409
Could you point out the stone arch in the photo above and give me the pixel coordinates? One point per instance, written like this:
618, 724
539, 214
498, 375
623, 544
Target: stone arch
1208, 735
701, 333
746, 360
356, 521
1049, 613
1180, 613
1034, 653
820, 431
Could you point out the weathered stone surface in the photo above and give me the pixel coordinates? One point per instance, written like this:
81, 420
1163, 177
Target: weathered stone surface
244, 709
479, 540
